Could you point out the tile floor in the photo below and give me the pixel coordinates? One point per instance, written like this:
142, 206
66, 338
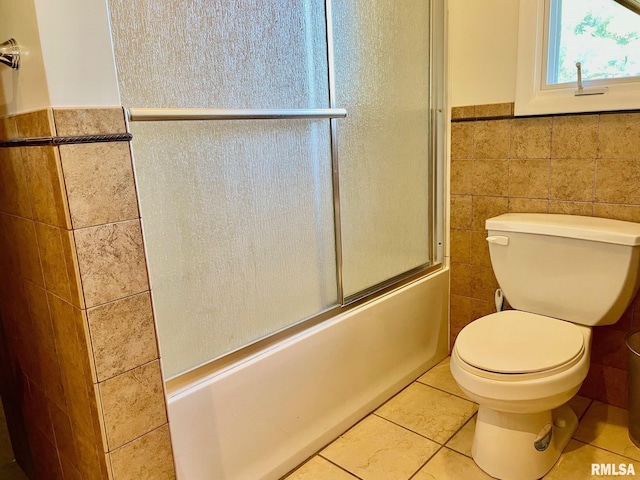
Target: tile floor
9, 469
425, 432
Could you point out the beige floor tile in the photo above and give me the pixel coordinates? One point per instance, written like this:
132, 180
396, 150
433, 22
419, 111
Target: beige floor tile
579, 405
319, 469
12, 471
450, 465
575, 463
6, 451
440, 377
9, 469
376, 449
435, 414
605, 426
462, 441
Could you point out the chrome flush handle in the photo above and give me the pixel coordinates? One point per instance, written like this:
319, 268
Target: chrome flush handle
498, 240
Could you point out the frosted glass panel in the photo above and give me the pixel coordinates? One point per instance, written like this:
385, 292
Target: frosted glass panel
238, 215
382, 72
220, 53
238, 226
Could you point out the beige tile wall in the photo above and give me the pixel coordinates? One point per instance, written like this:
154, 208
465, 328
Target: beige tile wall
75, 302
577, 164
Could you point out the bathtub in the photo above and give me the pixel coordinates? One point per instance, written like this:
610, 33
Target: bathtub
259, 418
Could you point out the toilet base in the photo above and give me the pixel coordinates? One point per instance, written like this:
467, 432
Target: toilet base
521, 446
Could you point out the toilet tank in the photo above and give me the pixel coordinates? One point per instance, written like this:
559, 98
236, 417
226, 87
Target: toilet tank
581, 269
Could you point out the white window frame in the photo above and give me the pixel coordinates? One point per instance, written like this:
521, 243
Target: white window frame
533, 99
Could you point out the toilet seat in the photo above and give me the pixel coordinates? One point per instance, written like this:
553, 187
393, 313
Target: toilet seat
519, 345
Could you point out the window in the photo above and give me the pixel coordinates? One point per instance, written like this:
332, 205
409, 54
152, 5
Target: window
600, 34
555, 35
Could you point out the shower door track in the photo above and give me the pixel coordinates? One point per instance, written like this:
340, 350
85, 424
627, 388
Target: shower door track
216, 366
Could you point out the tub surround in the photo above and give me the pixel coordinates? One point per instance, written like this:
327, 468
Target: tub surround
75, 302
577, 164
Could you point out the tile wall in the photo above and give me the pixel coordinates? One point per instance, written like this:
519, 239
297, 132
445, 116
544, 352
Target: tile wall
75, 302
577, 164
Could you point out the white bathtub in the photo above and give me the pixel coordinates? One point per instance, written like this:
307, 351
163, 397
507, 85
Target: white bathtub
262, 417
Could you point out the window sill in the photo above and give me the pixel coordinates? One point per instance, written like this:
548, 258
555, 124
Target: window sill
544, 102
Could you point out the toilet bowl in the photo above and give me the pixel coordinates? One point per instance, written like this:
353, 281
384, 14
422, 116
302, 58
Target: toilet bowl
562, 274
520, 368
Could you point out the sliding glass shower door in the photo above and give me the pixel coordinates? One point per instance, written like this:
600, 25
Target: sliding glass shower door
382, 79
254, 225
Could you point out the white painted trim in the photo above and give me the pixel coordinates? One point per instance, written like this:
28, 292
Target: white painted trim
531, 99
262, 417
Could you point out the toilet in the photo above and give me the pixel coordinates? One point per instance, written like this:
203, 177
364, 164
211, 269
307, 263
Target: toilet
562, 274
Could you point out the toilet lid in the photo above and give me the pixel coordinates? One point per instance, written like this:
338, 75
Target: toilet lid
519, 342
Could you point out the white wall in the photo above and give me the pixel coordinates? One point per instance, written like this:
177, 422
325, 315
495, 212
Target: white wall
77, 52
66, 55
25, 89
80, 69
483, 43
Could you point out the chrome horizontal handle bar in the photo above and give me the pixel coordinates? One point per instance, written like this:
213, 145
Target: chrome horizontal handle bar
173, 114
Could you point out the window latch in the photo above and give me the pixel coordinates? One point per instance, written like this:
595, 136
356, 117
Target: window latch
581, 91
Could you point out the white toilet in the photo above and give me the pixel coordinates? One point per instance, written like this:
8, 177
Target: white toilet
562, 274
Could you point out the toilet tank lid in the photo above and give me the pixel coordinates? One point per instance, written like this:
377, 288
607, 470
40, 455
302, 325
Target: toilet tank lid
572, 226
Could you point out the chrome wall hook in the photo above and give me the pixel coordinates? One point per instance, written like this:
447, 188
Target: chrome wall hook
10, 53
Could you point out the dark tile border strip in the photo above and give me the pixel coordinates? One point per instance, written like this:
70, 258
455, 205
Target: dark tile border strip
482, 119
74, 140
568, 114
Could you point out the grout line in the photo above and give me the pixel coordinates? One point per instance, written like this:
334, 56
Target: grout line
441, 389
595, 166
86, 227
126, 297
585, 411
426, 462
604, 450
421, 434
458, 431
153, 430
333, 463
304, 462
441, 445
319, 451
